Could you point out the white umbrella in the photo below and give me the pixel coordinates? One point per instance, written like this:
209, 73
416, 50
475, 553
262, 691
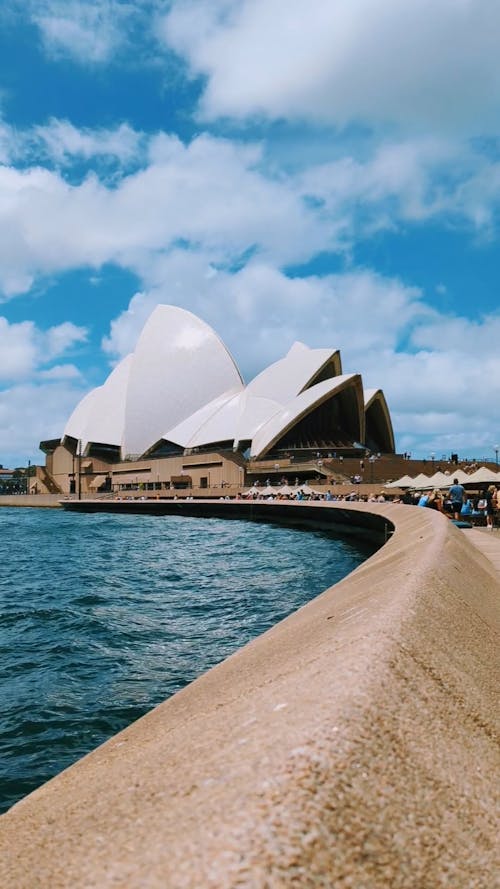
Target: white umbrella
421, 481
286, 489
483, 476
440, 480
460, 475
405, 482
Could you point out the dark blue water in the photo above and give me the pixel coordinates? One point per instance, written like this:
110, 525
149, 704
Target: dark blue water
103, 616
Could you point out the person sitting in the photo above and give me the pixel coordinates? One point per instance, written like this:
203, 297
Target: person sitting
466, 507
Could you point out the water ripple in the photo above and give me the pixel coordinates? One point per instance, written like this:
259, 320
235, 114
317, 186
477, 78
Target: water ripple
103, 616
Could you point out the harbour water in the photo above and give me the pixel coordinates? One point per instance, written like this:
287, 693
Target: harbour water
102, 617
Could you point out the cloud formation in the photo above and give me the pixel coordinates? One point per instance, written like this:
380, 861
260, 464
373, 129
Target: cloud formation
416, 63
342, 121
90, 31
24, 348
221, 197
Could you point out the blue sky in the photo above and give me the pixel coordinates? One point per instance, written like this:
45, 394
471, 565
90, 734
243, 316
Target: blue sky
315, 171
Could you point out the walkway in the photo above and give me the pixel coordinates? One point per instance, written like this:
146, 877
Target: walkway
488, 542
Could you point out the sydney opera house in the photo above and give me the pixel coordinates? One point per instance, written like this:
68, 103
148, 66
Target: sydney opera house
176, 413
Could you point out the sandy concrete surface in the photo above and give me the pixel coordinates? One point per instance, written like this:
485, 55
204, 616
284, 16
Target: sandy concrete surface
352, 745
37, 500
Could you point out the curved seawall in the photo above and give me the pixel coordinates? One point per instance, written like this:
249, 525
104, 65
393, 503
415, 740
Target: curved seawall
351, 745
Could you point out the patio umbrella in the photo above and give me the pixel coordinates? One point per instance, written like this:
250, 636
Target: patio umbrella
405, 482
483, 476
422, 481
441, 480
460, 474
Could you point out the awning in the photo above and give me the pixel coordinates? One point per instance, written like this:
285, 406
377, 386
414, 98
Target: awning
97, 481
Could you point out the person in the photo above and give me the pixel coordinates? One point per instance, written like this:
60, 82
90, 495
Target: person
466, 508
435, 500
488, 496
456, 493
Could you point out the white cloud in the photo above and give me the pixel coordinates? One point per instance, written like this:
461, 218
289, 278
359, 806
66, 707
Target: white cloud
62, 141
44, 408
407, 180
18, 349
210, 194
5, 143
35, 398
218, 197
61, 372
58, 339
260, 312
424, 63
88, 30
24, 348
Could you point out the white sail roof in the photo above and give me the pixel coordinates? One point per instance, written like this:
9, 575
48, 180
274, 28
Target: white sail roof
179, 365
289, 376
215, 421
100, 415
291, 413
182, 385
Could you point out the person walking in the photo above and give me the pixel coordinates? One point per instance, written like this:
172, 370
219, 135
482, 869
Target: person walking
456, 493
488, 496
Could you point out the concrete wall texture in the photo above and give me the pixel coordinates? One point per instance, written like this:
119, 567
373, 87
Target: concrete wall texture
352, 745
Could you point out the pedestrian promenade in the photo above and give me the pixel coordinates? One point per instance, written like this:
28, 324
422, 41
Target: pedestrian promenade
488, 542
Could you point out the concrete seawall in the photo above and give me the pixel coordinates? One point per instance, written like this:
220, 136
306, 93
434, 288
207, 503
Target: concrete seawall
352, 745
38, 500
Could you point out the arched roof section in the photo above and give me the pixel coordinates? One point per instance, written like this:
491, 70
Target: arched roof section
179, 365
332, 367
213, 422
255, 412
379, 434
77, 423
350, 415
297, 371
100, 415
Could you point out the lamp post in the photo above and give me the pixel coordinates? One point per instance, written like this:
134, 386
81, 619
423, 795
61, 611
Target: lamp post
79, 455
28, 477
497, 448
432, 458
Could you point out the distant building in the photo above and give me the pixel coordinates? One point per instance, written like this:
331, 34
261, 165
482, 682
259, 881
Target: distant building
180, 395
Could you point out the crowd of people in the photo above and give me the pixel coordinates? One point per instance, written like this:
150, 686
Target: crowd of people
459, 503
455, 502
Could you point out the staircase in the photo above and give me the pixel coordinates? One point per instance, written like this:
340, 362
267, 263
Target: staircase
46, 480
